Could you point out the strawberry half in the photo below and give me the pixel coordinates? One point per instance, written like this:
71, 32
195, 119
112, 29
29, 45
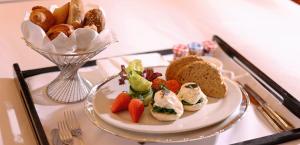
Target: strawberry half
136, 109
173, 85
121, 102
156, 83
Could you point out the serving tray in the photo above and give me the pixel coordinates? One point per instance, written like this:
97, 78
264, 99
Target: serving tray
292, 104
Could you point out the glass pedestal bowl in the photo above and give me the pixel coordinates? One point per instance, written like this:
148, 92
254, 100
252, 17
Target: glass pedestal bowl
68, 86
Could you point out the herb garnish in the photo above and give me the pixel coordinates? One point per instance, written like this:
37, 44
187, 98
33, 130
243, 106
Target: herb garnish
163, 110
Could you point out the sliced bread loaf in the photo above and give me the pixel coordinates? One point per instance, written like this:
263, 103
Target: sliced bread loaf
207, 76
174, 67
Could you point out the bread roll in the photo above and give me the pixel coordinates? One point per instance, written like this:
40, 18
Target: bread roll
95, 17
61, 14
91, 27
75, 13
60, 28
43, 17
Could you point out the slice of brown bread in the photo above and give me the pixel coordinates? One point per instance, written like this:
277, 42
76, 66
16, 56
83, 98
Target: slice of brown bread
176, 65
207, 76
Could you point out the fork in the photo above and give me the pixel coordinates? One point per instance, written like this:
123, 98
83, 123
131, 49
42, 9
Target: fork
73, 125
64, 133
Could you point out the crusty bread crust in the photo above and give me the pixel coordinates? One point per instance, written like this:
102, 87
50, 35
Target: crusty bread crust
76, 11
176, 65
207, 76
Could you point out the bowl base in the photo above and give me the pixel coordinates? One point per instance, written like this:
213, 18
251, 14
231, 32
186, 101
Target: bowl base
69, 90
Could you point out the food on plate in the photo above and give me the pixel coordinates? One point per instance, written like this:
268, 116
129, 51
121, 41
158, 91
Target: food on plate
42, 17
76, 13
95, 17
121, 102
192, 97
61, 14
166, 106
138, 83
156, 84
60, 28
207, 76
139, 86
145, 96
150, 75
176, 65
136, 109
173, 85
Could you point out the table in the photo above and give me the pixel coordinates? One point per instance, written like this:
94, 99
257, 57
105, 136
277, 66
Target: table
263, 31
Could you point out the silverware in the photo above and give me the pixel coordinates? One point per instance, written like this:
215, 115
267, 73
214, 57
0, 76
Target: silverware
64, 133
73, 125
259, 108
55, 137
282, 123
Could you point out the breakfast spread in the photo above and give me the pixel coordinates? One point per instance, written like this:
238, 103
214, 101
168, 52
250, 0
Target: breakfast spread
189, 82
67, 18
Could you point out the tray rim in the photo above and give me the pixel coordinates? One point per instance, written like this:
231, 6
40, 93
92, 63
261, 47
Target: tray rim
20, 75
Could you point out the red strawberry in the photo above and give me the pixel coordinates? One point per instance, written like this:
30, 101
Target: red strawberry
157, 82
173, 85
121, 102
136, 109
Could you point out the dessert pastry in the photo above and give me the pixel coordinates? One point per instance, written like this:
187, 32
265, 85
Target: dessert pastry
178, 64
75, 13
43, 17
95, 17
166, 106
192, 97
207, 76
60, 28
61, 14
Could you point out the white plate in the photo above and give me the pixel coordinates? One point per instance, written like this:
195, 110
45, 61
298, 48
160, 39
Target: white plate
215, 111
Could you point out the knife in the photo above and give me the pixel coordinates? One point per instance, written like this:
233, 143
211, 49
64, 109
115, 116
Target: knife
287, 100
260, 109
282, 123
